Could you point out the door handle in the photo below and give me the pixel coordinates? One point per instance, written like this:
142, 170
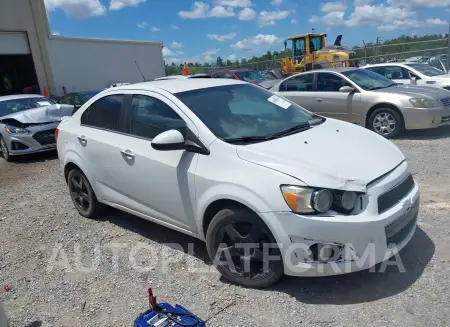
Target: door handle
82, 139
127, 154
319, 100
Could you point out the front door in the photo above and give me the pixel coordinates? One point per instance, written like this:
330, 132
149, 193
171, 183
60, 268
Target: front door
330, 102
159, 184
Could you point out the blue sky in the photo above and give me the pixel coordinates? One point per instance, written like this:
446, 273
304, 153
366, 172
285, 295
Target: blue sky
199, 31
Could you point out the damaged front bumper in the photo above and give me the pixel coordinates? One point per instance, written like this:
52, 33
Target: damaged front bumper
338, 244
40, 138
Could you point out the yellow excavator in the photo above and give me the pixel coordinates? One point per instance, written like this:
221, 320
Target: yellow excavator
309, 51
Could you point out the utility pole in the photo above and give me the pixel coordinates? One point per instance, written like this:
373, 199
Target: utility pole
448, 48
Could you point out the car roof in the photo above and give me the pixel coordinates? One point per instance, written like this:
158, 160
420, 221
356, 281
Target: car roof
180, 85
20, 96
89, 92
335, 69
180, 77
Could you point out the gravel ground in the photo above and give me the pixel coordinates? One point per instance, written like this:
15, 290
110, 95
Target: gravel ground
64, 270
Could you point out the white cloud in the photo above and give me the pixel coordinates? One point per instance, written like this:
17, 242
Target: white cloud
56, 33
270, 17
232, 57
333, 6
419, 3
210, 55
221, 11
436, 22
142, 25
176, 45
221, 37
119, 4
234, 3
247, 14
277, 2
174, 27
77, 8
180, 52
155, 29
397, 16
260, 39
167, 52
294, 21
203, 10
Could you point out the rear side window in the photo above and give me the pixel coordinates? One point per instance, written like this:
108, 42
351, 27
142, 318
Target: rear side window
302, 83
104, 113
151, 116
327, 82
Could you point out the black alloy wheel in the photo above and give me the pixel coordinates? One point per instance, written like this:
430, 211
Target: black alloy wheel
82, 194
243, 249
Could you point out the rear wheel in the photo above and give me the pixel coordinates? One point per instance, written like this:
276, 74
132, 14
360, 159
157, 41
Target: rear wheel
4, 149
239, 243
386, 122
82, 194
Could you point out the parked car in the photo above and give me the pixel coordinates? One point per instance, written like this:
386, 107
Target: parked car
246, 75
28, 123
368, 99
76, 99
239, 167
413, 73
183, 77
439, 62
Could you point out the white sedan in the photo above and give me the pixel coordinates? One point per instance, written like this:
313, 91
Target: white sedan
272, 188
412, 73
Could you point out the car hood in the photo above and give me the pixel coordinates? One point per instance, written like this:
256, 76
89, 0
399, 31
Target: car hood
335, 155
416, 91
45, 114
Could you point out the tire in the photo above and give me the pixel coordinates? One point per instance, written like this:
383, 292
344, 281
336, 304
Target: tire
83, 196
248, 228
4, 149
391, 122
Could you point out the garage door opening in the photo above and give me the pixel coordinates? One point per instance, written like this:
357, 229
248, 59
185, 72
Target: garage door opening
17, 75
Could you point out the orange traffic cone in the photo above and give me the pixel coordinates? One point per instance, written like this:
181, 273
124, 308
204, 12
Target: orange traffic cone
45, 92
185, 70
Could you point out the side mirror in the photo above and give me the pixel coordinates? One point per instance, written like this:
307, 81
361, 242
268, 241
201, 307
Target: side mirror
169, 140
346, 89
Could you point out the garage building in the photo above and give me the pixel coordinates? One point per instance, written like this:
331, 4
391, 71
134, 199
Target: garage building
32, 60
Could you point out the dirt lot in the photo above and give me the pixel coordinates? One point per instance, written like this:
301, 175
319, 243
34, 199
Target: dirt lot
63, 270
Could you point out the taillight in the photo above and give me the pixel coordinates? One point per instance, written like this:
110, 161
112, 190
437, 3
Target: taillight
56, 135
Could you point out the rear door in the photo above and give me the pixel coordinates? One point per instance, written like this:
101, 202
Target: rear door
101, 138
299, 89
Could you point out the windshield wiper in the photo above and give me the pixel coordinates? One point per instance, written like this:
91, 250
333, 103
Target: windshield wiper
381, 87
292, 130
245, 139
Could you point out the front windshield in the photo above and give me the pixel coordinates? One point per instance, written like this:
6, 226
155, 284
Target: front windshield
426, 69
235, 111
249, 76
368, 80
315, 43
8, 107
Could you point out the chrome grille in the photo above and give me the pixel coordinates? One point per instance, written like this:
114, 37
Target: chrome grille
45, 137
393, 196
446, 102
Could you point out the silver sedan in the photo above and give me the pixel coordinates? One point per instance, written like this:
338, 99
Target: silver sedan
28, 123
368, 99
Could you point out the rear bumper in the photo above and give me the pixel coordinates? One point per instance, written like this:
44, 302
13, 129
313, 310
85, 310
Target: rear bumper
417, 118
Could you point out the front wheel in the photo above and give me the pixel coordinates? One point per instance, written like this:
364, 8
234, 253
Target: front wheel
386, 122
4, 149
243, 249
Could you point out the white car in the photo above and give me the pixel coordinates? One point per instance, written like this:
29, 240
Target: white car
270, 187
183, 77
413, 73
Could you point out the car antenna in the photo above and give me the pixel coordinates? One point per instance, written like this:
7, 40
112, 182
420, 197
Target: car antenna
140, 71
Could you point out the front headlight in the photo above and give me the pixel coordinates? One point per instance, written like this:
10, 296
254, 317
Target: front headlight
308, 200
424, 103
15, 130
